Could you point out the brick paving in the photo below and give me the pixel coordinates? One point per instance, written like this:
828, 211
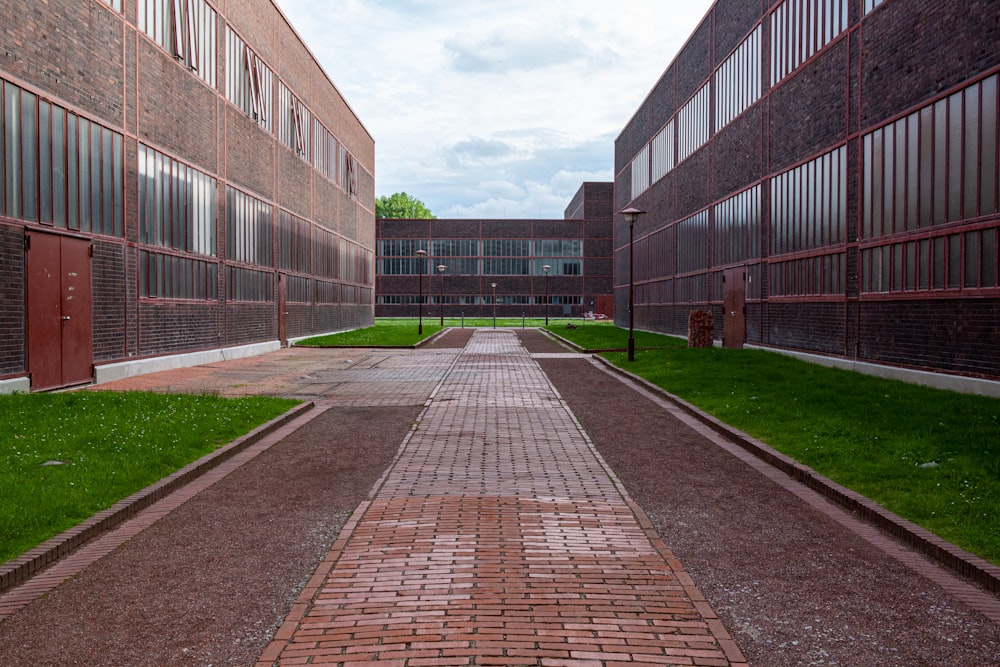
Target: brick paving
499, 537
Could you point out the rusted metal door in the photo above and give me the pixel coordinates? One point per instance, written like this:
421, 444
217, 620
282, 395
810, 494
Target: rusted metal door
734, 297
59, 323
283, 309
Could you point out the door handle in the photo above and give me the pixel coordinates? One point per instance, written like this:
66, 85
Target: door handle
65, 318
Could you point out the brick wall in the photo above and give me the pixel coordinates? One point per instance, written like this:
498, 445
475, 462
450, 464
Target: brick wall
108, 279
12, 314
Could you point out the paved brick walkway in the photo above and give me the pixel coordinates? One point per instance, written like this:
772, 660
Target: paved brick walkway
499, 537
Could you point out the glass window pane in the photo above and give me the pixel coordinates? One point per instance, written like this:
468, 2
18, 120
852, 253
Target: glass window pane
988, 144
58, 167
989, 258
926, 164
971, 202
971, 259
924, 268
84, 184
956, 137
72, 173
107, 182
118, 169
12, 139
940, 161
44, 162
96, 187
29, 157
954, 261
939, 246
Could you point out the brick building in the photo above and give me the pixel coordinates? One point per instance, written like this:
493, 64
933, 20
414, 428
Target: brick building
173, 180
822, 175
511, 253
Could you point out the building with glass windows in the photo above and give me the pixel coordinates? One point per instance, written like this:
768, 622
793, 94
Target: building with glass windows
174, 181
511, 254
822, 176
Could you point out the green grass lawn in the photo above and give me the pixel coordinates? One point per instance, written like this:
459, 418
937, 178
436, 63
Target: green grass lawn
108, 445
931, 456
402, 332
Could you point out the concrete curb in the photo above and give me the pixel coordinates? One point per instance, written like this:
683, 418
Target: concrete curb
22, 568
967, 565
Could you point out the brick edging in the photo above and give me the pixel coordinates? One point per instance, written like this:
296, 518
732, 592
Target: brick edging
958, 560
20, 569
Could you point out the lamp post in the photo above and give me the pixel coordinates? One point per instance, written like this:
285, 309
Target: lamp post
494, 286
631, 214
545, 270
420, 299
441, 268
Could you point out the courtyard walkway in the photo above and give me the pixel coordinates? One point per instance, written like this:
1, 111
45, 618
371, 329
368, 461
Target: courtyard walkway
499, 537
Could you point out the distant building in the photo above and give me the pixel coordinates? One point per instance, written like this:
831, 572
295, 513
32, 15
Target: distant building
173, 180
476, 254
822, 175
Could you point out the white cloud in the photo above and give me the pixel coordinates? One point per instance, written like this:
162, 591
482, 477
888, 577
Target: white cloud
464, 97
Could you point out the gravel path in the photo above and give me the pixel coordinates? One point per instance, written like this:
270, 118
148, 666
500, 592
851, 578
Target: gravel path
209, 583
793, 586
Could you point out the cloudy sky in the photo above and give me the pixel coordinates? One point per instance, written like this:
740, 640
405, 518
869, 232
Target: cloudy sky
494, 108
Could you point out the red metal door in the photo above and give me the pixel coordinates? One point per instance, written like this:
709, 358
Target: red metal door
59, 329
734, 295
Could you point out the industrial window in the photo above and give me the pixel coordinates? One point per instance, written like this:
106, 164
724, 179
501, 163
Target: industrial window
800, 28
692, 124
114, 4
691, 289
348, 172
809, 204
294, 122
249, 82
325, 253
298, 289
177, 204
186, 29
810, 276
738, 81
327, 292
293, 243
455, 248
57, 168
692, 243
506, 248
249, 285
326, 151
505, 267
951, 261
737, 227
249, 229
640, 172
871, 4
355, 263
558, 248
938, 164
662, 158
164, 276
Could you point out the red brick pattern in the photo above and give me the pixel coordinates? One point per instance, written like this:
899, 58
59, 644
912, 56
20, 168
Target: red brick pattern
499, 537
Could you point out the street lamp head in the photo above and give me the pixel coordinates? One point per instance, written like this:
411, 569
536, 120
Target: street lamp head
421, 253
546, 268
631, 213
493, 285
441, 268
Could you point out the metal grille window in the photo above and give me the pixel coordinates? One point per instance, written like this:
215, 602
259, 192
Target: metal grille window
809, 204
57, 168
248, 285
663, 158
967, 260
298, 289
249, 82
114, 4
325, 253
936, 165
249, 229
326, 151
164, 276
692, 124
293, 243
348, 172
640, 172
810, 276
871, 5
177, 204
738, 81
294, 122
506, 248
692, 243
186, 29
737, 227
800, 28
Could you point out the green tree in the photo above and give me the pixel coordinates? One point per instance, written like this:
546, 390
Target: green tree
401, 205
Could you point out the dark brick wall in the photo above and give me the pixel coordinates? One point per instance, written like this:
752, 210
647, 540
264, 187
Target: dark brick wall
911, 54
250, 323
12, 315
817, 327
956, 335
107, 269
171, 327
736, 154
72, 49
